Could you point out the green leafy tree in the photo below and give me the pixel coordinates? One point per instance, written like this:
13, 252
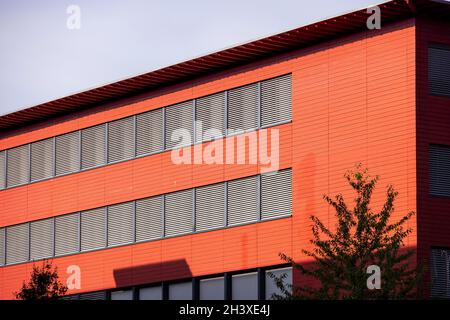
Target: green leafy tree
44, 284
362, 238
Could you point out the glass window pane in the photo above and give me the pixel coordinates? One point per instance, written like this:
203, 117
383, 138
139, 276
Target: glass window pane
245, 286
180, 291
212, 289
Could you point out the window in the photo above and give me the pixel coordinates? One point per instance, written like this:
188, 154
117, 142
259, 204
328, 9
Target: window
210, 207
18, 170
2, 246
271, 287
243, 107
440, 273
243, 200
245, 286
149, 132
93, 146
17, 243
67, 153
121, 224
276, 194
93, 229
180, 291
150, 293
67, 236
122, 295
439, 70
179, 212
276, 100
41, 239
212, 289
99, 295
149, 218
439, 170
2, 170
121, 139
179, 122
210, 110
42, 160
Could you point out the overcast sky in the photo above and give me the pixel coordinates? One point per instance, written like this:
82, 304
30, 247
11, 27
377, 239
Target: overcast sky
41, 59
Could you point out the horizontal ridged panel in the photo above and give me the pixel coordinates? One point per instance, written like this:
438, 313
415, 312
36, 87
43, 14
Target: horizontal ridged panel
276, 194
210, 207
439, 170
67, 153
243, 201
17, 238
2, 170
276, 100
439, 71
41, 239
179, 122
440, 273
149, 132
210, 114
93, 144
99, 295
18, 170
149, 218
243, 107
121, 224
121, 139
93, 229
179, 213
2, 246
67, 235
42, 159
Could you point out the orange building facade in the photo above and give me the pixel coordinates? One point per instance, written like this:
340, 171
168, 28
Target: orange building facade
357, 97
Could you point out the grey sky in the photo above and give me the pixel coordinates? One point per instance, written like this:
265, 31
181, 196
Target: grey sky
41, 59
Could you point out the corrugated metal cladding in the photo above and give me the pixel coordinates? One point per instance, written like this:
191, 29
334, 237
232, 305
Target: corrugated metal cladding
210, 207
41, 239
243, 107
439, 170
179, 117
439, 70
210, 110
93, 146
276, 100
179, 212
17, 239
67, 234
243, 201
2, 170
149, 218
149, 132
276, 194
42, 159
18, 170
67, 153
93, 229
121, 224
2, 246
121, 139
440, 273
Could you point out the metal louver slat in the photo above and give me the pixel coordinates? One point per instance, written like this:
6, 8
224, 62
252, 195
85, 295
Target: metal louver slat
121, 139
2, 246
439, 70
243, 201
93, 229
210, 207
276, 100
149, 132
440, 273
149, 218
93, 144
120, 224
17, 243
67, 153
18, 166
41, 239
439, 170
99, 295
179, 213
276, 194
243, 108
210, 110
179, 123
42, 159
2, 170
67, 235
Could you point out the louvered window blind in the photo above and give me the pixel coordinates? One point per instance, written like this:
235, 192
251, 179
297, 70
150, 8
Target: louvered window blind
2, 246
276, 100
149, 218
42, 159
439, 170
243, 107
41, 239
18, 170
179, 121
439, 70
93, 146
243, 201
17, 238
276, 194
440, 273
120, 224
210, 114
179, 213
67, 153
67, 234
93, 229
121, 140
2, 170
149, 132
210, 207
